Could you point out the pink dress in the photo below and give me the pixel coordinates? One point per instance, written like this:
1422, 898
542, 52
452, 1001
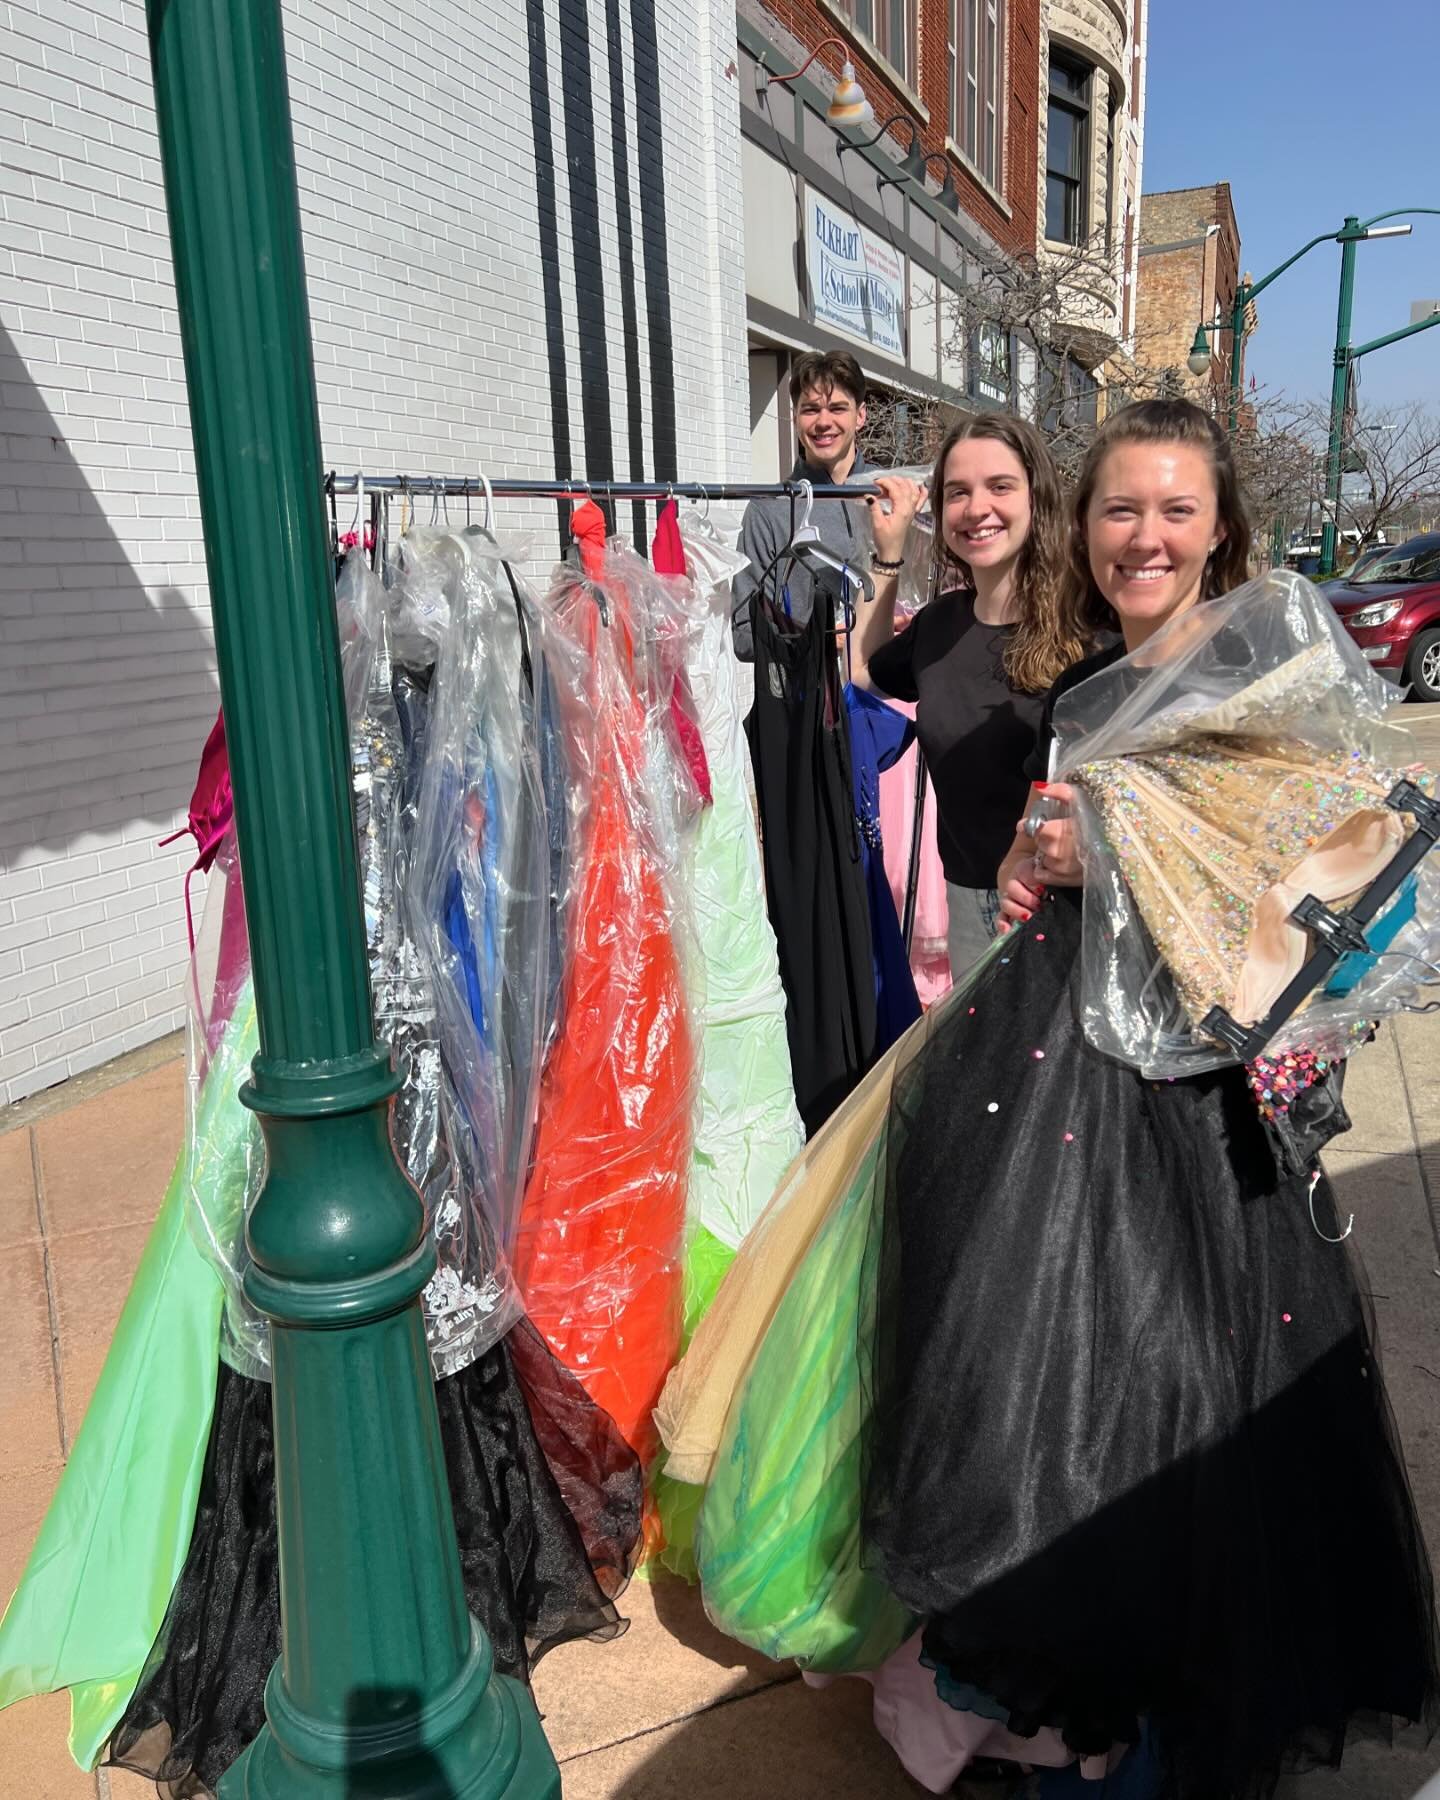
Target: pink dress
936, 1742
929, 958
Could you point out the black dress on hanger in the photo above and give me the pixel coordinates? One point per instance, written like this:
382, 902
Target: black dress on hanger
814, 868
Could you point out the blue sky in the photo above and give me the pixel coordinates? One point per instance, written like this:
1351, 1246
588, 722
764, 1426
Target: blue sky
1310, 109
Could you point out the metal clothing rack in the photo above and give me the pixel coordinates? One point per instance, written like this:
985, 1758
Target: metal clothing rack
483, 487
478, 486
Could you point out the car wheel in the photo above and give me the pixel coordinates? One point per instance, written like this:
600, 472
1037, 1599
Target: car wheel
1422, 667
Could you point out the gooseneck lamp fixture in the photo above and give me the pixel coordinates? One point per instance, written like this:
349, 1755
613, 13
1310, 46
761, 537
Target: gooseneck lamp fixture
949, 196
848, 105
913, 167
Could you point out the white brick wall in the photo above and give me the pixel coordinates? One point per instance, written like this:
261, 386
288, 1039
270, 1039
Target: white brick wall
413, 140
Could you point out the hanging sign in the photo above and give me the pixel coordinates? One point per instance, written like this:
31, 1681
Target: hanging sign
857, 283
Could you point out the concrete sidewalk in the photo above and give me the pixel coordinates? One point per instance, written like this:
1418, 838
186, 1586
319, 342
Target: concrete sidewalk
672, 1709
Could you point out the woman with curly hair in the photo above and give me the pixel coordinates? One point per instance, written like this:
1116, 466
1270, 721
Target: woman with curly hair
978, 660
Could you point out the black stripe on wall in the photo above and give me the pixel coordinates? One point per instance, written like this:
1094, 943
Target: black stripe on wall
625, 244
578, 96
543, 135
654, 233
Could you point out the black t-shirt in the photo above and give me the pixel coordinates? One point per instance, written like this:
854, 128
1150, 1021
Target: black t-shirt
976, 730
1037, 764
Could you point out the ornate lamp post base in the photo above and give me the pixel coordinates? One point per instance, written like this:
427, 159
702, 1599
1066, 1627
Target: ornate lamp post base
481, 1740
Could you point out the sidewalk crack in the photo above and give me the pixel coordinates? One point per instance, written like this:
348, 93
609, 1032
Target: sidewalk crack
52, 1307
1422, 1163
696, 1712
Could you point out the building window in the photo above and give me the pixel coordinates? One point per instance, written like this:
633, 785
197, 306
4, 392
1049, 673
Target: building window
976, 51
890, 27
1069, 395
1082, 394
1067, 150
992, 364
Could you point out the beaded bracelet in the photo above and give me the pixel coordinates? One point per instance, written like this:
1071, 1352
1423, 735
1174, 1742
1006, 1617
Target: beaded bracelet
886, 568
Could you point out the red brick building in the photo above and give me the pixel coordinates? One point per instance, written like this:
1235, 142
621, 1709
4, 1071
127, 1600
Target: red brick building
997, 178
845, 250
1189, 271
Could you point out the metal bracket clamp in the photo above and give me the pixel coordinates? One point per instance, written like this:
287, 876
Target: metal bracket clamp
1406, 797
1246, 1041
1340, 931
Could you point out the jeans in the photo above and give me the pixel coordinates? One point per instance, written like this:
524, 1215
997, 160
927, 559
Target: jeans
974, 916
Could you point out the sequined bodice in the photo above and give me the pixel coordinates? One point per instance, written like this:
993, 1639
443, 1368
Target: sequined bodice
1219, 840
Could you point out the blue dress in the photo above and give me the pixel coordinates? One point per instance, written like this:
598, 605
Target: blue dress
879, 737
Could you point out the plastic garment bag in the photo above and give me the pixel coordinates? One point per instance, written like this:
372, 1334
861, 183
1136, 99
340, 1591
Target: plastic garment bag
767, 1411
1237, 762
599, 1249
477, 901
93, 1594
454, 866
916, 584
747, 1127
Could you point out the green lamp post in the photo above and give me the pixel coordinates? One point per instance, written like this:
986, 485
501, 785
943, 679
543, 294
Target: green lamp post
1346, 356
1351, 233
385, 1685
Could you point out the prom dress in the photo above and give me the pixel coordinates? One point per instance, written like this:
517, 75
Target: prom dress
1101, 1397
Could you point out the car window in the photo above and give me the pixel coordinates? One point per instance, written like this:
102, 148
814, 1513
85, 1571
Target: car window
1410, 562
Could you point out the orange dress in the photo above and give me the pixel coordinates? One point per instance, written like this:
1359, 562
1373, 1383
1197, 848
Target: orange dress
599, 1254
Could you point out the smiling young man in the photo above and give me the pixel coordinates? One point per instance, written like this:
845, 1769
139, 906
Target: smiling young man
827, 394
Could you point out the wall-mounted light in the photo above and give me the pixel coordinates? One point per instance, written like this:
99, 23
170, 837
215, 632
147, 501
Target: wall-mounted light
949, 196
913, 167
848, 105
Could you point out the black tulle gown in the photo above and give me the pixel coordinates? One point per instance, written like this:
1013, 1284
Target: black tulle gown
1131, 1454
546, 1495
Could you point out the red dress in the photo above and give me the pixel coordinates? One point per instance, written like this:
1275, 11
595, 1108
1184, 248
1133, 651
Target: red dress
599, 1253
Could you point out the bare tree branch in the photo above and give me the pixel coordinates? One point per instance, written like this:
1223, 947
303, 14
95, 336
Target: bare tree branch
1031, 333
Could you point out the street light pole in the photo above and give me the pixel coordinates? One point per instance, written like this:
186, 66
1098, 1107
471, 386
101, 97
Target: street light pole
385, 1683
1346, 357
1350, 235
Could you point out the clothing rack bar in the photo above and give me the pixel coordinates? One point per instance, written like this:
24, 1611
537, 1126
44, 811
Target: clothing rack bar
475, 487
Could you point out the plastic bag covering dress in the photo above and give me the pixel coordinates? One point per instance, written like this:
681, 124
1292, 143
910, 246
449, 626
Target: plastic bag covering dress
1236, 763
454, 874
95, 1588
747, 1126
478, 902
599, 1251
765, 1412
545, 1493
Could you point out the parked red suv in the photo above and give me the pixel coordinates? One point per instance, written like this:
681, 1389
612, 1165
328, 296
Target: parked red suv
1392, 610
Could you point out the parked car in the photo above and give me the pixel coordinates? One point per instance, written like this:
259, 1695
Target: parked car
1392, 610
1364, 560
